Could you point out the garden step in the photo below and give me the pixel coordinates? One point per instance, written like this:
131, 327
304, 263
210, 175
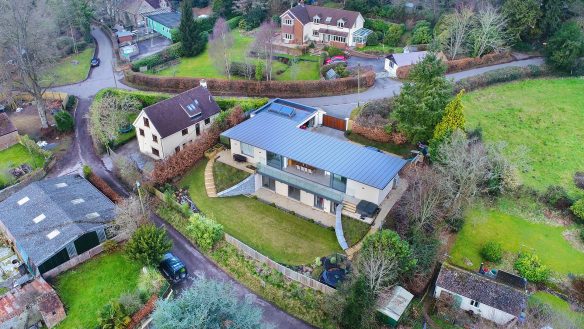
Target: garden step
209, 181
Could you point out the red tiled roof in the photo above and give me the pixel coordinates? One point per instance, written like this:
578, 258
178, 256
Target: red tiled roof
15, 302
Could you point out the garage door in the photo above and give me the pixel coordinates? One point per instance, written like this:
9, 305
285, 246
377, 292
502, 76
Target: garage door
86, 242
335, 123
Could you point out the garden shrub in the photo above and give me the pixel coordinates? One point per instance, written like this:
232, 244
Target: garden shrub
131, 302
71, 100
205, 231
373, 39
578, 209
86, 171
422, 33
109, 246
104, 187
455, 223
333, 51
505, 74
148, 244
492, 252
557, 197
243, 70
171, 53
246, 104
64, 121
579, 179
393, 34
150, 281
113, 315
530, 267
233, 23
145, 98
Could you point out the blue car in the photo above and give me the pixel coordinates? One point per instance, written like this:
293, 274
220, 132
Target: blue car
173, 268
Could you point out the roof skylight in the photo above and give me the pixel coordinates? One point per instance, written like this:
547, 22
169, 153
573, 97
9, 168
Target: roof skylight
39, 218
61, 185
92, 215
53, 234
23, 201
77, 201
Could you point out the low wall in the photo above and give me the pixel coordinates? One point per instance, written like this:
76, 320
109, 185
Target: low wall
246, 186
250, 88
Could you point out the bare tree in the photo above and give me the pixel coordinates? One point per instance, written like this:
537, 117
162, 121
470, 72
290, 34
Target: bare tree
424, 198
108, 9
489, 32
108, 115
131, 213
459, 25
220, 45
264, 47
26, 37
378, 269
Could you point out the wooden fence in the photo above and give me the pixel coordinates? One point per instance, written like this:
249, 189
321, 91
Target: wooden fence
287, 272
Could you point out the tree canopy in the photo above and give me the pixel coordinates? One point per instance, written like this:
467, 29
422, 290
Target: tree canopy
193, 39
522, 19
565, 47
148, 244
452, 119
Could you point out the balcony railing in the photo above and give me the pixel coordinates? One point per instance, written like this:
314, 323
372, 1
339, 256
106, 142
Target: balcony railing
301, 183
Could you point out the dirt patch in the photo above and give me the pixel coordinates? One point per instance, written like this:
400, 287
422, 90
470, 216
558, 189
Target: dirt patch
557, 218
28, 122
573, 237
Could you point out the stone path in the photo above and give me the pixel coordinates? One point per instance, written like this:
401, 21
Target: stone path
209, 181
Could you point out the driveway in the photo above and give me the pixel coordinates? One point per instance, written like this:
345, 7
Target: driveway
376, 63
152, 46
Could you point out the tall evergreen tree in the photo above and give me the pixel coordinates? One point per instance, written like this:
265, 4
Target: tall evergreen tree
452, 119
419, 106
565, 47
192, 38
552, 16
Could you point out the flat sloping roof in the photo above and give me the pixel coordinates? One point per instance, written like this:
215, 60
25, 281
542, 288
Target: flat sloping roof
482, 289
170, 116
407, 58
6, 126
278, 134
169, 19
301, 112
53, 208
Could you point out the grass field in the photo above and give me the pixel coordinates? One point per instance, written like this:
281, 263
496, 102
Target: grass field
86, 289
203, 66
515, 234
66, 72
226, 176
354, 230
546, 116
402, 150
279, 235
14, 156
559, 305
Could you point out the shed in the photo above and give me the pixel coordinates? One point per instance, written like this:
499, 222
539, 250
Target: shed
393, 304
8, 133
124, 36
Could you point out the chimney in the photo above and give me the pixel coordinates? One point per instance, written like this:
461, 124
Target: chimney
203, 83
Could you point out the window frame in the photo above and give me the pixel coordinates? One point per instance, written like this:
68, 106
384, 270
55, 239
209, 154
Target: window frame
247, 147
185, 131
315, 33
207, 121
154, 138
288, 21
142, 133
146, 122
316, 20
341, 23
155, 151
286, 36
198, 129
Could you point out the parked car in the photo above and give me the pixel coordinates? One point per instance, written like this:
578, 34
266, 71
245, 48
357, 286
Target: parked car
95, 62
173, 268
336, 59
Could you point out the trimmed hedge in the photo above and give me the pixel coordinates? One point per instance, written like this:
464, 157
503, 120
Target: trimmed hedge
246, 104
171, 53
467, 63
253, 88
145, 98
505, 74
104, 187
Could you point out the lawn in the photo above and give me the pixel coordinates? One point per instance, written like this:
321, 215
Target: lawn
279, 235
515, 234
225, 176
382, 48
86, 289
302, 70
354, 230
559, 305
545, 116
14, 156
402, 150
66, 72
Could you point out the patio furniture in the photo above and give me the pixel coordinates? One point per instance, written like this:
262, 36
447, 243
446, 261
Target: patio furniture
239, 158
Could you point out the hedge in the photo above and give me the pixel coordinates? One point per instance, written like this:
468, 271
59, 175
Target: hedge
171, 53
145, 98
505, 74
251, 88
246, 104
104, 187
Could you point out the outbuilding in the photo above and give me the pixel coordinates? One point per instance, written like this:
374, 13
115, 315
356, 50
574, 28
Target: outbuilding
8, 132
393, 305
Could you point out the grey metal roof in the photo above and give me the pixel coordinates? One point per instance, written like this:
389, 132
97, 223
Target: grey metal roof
278, 134
53, 201
301, 112
407, 58
170, 19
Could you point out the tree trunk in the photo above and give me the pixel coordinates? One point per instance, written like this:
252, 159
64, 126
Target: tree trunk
40, 104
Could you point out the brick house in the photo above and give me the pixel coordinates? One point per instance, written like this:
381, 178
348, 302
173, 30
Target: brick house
337, 27
8, 133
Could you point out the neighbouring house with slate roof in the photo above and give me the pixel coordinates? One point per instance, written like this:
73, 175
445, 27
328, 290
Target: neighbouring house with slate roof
167, 127
312, 168
133, 12
493, 299
303, 24
394, 61
8, 133
54, 220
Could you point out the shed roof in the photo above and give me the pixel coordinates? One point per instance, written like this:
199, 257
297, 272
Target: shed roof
407, 58
394, 303
46, 215
6, 126
20, 299
181, 111
169, 19
482, 289
279, 134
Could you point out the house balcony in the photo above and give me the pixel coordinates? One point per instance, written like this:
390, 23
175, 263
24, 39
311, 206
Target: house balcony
308, 182
311, 174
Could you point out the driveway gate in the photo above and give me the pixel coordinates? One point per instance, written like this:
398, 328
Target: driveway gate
335, 123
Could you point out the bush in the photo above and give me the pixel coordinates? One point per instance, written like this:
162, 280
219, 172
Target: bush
467, 63
579, 179
148, 244
104, 187
492, 252
422, 33
244, 24
582, 234
131, 302
500, 75
244, 70
64, 121
246, 104
109, 246
578, 209
455, 223
171, 53
530, 267
373, 39
71, 100
233, 23
557, 197
113, 315
150, 281
393, 34
205, 231
87, 171
333, 51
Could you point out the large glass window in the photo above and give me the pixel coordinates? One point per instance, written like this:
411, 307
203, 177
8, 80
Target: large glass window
318, 202
274, 160
339, 182
247, 149
293, 192
269, 183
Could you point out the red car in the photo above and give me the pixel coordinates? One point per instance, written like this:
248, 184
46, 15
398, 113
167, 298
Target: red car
335, 59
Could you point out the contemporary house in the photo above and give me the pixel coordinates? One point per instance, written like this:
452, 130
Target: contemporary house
133, 12
394, 62
8, 133
499, 297
303, 24
320, 171
163, 23
166, 127
55, 220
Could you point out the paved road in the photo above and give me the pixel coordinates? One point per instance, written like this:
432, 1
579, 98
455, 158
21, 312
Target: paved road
341, 106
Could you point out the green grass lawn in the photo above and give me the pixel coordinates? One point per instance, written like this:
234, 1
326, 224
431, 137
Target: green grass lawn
279, 235
382, 48
515, 234
66, 72
354, 230
226, 176
86, 289
402, 150
545, 115
302, 70
14, 156
559, 305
